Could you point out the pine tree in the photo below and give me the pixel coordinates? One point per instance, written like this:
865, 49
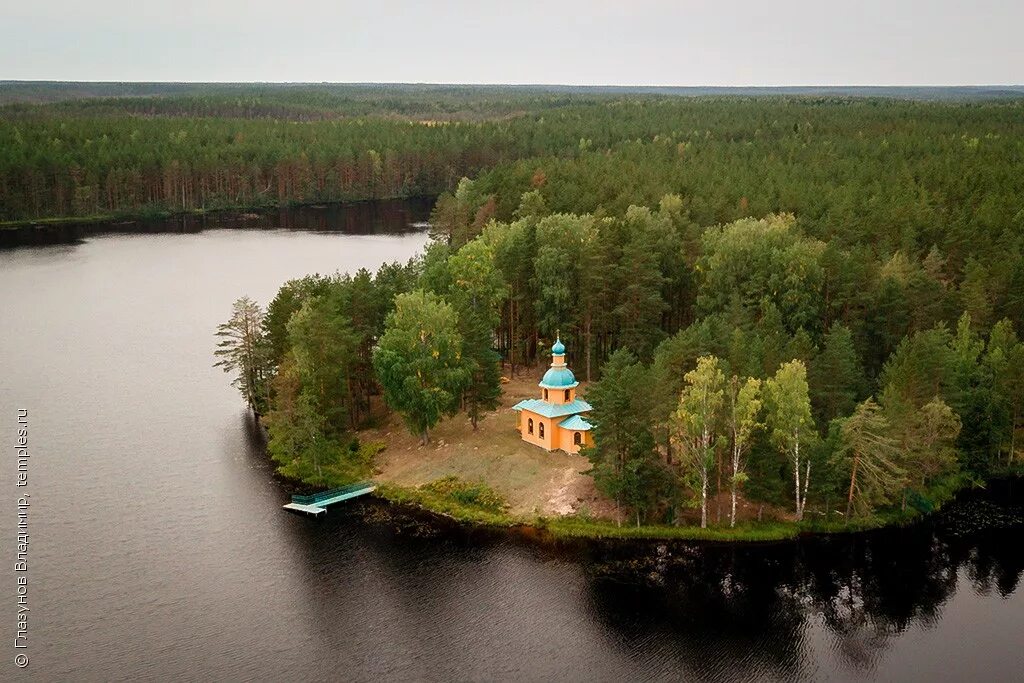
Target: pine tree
835, 376
476, 291
243, 349
875, 474
623, 456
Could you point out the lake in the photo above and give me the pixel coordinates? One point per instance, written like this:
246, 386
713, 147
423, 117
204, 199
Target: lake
158, 548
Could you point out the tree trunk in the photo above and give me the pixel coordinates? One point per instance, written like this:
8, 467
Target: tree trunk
1013, 436
853, 483
511, 332
718, 490
704, 496
588, 345
668, 446
796, 479
735, 473
807, 485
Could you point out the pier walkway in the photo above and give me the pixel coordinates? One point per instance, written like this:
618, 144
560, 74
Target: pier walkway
316, 504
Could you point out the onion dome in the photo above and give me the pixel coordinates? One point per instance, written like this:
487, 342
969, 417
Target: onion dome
558, 378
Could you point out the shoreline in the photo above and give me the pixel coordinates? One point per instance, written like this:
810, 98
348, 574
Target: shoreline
168, 214
568, 528
288, 215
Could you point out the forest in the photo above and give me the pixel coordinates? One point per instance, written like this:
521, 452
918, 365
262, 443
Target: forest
813, 303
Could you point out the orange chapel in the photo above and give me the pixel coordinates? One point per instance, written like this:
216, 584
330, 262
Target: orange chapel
555, 420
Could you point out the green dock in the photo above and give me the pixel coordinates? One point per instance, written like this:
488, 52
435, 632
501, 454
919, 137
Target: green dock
316, 504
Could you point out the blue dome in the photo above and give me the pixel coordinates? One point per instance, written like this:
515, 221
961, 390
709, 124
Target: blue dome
556, 378
559, 348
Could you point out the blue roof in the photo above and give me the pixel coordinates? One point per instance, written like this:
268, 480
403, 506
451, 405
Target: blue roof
576, 424
558, 378
535, 405
559, 348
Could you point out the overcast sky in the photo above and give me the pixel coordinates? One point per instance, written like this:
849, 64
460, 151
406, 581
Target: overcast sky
686, 42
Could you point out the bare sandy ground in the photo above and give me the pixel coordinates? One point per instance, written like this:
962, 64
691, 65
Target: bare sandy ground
534, 481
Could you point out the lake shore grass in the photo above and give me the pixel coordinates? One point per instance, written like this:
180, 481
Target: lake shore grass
489, 478
581, 527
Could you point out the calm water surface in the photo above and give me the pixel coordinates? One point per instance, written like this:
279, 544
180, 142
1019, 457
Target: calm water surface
159, 549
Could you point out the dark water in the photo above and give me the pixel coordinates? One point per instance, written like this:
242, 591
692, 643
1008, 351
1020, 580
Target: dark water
159, 551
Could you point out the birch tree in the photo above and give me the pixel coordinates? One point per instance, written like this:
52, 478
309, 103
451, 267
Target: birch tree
697, 419
419, 361
789, 414
744, 405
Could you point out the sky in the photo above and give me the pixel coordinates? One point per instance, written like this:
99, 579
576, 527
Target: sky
639, 42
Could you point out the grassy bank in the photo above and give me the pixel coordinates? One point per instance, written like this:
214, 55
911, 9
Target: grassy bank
449, 501
453, 499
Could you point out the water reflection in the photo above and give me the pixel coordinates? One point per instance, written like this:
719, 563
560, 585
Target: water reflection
752, 606
389, 216
160, 551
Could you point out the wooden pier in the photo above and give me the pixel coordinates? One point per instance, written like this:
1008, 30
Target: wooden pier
316, 504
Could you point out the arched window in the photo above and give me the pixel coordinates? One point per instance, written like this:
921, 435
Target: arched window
529, 426
542, 430
566, 395
545, 394
577, 439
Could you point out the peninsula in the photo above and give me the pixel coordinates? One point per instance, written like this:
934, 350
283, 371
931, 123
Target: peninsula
730, 317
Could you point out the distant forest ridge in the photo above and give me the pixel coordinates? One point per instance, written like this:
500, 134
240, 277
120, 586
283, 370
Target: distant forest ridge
42, 92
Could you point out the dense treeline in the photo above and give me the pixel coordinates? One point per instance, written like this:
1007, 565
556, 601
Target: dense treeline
699, 325
850, 348
725, 371
312, 100
241, 147
901, 174
89, 166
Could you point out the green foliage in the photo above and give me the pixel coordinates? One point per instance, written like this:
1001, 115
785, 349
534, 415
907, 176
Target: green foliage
324, 347
789, 415
476, 291
625, 465
289, 299
473, 503
304, 450
860, 252
871, 455
470, 495
697, 423
243, 349
763, 260
743, 407
835, 376
419, 360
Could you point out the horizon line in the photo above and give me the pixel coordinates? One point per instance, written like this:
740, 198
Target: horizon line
522, 85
